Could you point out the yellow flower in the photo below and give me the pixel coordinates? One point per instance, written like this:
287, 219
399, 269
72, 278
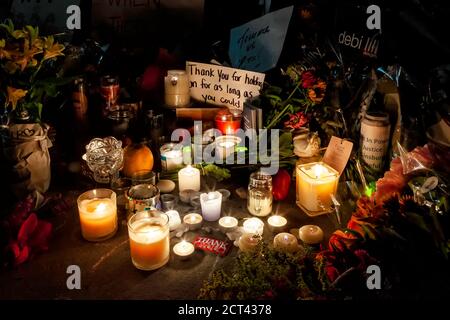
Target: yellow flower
4, 54
52, 49
14, 95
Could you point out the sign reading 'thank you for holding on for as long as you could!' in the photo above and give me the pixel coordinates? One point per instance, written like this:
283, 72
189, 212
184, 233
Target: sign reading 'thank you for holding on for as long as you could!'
223, 86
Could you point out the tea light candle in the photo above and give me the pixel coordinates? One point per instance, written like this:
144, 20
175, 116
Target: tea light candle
248, 242
311, 234
226, 145
186, 195
98, 214
211, 204
166, 186
277, 222
286, 242
228, 224
316, 182
174, 219
149, 240
193, 221
183, 249
254, 226
189, 178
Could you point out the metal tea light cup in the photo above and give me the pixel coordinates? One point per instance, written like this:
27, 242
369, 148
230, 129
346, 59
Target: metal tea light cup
143, 197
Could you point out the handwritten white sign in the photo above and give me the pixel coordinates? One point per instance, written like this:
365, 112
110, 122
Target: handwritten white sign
223, 86
257, 44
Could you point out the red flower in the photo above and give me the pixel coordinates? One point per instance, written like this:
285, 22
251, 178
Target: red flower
296, 121
33, 237
332, 272
341, 241
308, 79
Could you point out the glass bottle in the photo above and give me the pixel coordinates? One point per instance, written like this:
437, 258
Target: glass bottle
259, 202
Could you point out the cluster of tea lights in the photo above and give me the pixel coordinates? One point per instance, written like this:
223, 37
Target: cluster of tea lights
149, 230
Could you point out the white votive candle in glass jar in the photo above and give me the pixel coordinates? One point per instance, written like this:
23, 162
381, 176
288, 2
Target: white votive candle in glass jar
189, 178
211, 204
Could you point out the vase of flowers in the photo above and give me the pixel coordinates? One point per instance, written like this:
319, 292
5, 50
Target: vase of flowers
28, 78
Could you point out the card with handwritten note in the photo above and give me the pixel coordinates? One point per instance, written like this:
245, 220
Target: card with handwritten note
257, 44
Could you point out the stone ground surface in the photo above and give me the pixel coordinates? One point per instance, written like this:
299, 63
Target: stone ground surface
106, 268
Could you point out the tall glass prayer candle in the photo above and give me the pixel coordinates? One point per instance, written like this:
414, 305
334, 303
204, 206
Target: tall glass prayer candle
149, 239
189, 178
98, 214
316, 182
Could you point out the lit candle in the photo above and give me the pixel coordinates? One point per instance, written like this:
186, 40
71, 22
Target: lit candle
316, 182
174, 219
249, 241
189, 178
211, 204
176, 86
254, 226
277, 223
226, 145
259, 201
228, 224
311, 234
286, 242
193, 221
149, 239
183, 249
171, 158
98, 214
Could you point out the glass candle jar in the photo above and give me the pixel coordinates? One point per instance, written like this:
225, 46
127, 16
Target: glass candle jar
259, 201
176, 85
316, 182
143, 197
149, 239
98, 214
228, 122
171, 157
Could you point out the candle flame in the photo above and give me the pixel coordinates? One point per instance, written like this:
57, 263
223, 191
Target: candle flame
100, 208
319, 170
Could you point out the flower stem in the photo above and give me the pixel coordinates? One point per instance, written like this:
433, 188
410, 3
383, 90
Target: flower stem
282, 112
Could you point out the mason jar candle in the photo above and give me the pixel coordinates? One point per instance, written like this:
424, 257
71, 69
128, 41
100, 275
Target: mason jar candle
149, 239
98, 214
259, 201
